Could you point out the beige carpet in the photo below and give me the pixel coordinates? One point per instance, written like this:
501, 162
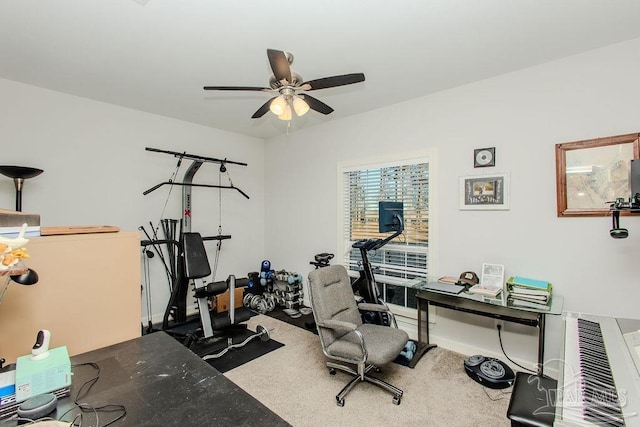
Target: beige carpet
294, 382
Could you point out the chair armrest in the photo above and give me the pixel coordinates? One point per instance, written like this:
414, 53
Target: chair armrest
338, 326
367, 306
342, 328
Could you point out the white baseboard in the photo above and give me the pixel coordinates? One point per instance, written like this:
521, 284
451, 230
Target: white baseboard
410, 326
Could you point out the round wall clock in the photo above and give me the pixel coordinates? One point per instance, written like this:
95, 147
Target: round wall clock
483, 157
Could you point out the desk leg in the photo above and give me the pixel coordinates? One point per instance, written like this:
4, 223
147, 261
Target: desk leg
423, 332
541, 318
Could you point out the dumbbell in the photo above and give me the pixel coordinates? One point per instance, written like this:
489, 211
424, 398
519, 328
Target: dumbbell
410, 346
293, 278
409, 350
408, 354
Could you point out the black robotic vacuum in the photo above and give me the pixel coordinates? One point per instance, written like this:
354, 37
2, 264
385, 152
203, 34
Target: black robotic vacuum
489, 372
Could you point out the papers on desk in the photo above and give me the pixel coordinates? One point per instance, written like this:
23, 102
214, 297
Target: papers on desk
491, 291
448, 279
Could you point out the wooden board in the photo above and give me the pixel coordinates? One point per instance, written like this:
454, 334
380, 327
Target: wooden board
77, 229
88, 294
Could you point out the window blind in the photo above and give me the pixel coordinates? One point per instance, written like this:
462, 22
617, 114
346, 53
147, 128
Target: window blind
405, 257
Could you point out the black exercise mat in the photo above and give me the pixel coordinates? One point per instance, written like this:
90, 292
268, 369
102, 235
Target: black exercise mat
402, 359
236, 356
305, 321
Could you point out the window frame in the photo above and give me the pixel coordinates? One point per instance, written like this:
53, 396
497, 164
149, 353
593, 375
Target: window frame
423, 156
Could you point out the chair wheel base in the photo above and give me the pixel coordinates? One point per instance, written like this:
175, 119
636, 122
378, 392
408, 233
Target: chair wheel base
332, 371
397, 400
340, 402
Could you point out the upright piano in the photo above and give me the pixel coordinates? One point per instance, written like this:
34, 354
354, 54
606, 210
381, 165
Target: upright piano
599, 378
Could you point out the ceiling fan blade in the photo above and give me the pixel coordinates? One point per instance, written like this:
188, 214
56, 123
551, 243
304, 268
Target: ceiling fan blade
279, 65
317, 105
327, 82
251, 88
263, 110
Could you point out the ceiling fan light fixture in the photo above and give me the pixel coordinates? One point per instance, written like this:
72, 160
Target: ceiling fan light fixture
278, 105
285, 84
286, 115
300, 106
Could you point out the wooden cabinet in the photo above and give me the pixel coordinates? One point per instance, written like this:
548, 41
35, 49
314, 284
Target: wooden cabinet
88, 294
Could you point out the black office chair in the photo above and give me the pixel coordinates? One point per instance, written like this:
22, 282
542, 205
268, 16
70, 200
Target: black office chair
343, 335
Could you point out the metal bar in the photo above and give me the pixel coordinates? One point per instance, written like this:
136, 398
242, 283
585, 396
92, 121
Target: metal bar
186, 195
155, 187
196, 157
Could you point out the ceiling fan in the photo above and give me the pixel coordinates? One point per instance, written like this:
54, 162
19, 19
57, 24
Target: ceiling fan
290, 86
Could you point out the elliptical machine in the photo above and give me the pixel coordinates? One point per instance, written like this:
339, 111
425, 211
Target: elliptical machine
390, 219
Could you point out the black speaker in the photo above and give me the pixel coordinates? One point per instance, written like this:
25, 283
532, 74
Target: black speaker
489, 372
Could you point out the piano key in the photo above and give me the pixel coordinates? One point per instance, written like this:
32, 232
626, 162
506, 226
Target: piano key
595, 389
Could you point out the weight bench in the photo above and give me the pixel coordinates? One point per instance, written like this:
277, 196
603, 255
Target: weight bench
196, 266
532, 401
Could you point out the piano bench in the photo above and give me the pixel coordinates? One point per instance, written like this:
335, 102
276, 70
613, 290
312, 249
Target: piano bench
532, 401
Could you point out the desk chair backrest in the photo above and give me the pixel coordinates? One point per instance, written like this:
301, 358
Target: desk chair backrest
332, 298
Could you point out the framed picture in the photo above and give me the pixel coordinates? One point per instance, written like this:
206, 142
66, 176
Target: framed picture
484, 192
592, 174
484, 157
492, 275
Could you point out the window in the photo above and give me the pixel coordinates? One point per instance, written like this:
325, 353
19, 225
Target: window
407, 256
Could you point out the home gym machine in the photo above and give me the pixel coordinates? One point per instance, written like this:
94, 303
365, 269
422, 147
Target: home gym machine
391, 219
189, 264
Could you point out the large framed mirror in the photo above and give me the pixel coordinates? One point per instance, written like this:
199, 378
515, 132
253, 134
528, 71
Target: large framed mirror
593, 173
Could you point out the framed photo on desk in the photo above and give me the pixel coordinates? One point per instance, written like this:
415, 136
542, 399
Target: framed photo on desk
484, 192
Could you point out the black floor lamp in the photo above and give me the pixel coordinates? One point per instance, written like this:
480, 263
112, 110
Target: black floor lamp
19, 174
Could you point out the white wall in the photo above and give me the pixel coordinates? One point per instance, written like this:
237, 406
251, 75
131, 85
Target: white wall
96, 169
523, 114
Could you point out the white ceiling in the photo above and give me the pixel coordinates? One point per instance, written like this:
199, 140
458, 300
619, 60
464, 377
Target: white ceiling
156, 55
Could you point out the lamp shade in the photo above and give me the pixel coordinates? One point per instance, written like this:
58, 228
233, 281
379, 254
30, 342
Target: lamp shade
19, 174
28, 278
278, 105
19, 171
301, 108
286, 115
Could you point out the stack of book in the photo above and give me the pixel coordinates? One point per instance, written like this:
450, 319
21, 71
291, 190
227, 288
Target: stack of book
448, 279
490, 291
529, 293
11, 223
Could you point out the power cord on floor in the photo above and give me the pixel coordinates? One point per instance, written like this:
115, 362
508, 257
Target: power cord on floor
501, 395
505, 353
